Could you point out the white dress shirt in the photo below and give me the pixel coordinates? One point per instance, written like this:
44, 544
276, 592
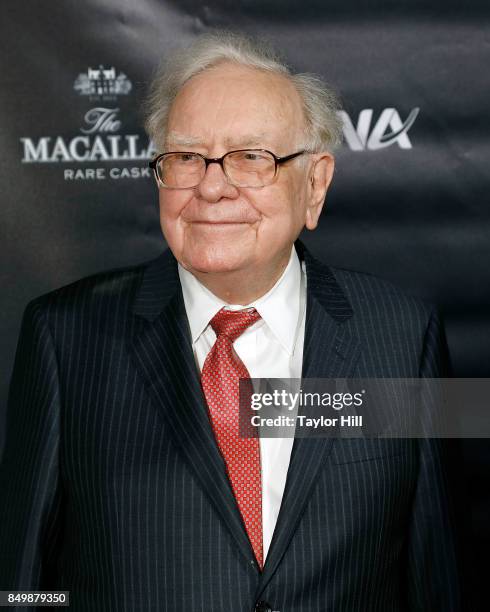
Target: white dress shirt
271, 348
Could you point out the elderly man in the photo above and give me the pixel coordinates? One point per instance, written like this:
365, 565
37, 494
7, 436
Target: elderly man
125, 479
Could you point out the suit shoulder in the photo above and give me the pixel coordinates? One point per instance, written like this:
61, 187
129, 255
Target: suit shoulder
107, 289
371, 293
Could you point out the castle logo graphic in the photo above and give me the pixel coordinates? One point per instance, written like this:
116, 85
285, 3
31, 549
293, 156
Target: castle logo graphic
102, 82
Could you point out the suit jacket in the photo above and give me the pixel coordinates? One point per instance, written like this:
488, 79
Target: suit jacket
112, 486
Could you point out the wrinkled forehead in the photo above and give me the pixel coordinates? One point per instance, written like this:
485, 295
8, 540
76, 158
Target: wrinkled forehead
238, 106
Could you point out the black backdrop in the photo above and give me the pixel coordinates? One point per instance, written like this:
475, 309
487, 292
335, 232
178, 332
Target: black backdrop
409, 200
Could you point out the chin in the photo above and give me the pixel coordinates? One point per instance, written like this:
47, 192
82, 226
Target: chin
215, 259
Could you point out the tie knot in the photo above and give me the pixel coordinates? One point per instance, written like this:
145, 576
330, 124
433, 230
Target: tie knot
232, 323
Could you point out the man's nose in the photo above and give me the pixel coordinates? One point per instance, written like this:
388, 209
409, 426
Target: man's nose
215, 186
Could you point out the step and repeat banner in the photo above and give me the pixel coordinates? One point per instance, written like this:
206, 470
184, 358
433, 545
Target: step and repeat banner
409, 201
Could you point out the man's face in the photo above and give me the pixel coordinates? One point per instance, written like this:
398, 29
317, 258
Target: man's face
217, 227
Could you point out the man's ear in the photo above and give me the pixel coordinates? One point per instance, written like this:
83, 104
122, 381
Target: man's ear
319, 178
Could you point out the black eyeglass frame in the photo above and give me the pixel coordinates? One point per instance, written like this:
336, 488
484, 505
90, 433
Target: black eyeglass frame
219, 160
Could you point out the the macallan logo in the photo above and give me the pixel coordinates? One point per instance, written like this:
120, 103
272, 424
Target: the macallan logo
101, 137
387, 130
102, 82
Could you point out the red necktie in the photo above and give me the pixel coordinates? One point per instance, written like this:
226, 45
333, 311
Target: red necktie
220, 377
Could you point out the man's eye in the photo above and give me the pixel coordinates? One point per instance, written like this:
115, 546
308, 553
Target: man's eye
252, 156
187, 157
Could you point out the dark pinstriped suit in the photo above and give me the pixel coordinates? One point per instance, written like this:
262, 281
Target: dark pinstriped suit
112, 486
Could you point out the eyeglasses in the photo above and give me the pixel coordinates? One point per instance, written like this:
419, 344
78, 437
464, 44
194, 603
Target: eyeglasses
243, 168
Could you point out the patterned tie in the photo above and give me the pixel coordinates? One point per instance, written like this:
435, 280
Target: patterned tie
220, 377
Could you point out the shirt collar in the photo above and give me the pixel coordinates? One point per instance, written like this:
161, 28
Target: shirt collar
280, 308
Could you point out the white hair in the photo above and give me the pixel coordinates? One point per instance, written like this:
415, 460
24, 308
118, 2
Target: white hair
323, 127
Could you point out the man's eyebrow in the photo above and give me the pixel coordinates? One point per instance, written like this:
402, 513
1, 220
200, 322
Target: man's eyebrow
242, 142
183, 140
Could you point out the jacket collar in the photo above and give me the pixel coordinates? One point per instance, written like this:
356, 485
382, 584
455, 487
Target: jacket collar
158, 286
161, 282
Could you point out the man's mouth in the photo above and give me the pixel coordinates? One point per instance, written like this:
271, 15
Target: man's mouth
227, 222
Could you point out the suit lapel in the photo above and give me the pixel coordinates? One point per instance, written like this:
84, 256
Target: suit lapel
329, 352
162, 352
